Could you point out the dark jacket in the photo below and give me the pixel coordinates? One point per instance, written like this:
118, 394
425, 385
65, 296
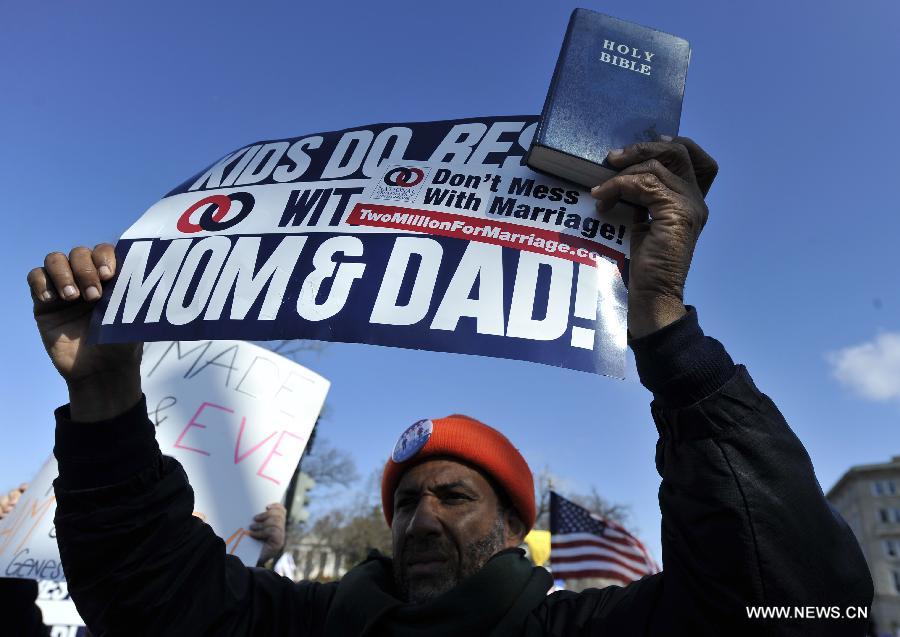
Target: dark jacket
19, 615
744, 523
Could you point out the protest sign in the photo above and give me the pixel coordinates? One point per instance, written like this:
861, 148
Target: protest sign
235, 415
427, 235
27, 535
238, 418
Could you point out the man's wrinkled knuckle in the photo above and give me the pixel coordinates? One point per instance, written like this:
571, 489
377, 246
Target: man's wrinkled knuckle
649, 181
686, 228
654, 165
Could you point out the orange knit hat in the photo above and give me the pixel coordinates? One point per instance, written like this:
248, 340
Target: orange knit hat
471, 441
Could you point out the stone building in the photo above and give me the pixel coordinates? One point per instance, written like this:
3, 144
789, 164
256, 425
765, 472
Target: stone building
868, 496
316, 560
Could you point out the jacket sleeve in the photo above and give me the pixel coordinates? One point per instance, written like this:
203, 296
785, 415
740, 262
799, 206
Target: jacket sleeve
21, 615
138, 562
744, 520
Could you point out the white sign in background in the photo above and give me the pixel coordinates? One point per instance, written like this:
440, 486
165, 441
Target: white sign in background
235, 415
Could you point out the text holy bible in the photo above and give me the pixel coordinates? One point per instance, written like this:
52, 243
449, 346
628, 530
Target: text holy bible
616, 83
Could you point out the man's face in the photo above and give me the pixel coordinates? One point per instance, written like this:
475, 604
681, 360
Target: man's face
447, 525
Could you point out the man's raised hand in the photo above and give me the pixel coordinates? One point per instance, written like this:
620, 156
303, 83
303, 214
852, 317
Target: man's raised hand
667, 179
103, 380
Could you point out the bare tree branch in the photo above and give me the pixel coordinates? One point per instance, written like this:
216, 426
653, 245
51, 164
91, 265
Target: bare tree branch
329, 466
357, 528
353, 534
545, 482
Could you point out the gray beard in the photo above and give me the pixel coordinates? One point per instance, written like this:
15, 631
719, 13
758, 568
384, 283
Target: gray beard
475, 556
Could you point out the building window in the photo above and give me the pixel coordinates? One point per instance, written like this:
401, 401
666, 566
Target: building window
897, 581
896, 515
884, 516
892, 548
884, 487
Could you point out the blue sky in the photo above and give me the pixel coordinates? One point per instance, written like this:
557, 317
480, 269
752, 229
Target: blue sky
106, 106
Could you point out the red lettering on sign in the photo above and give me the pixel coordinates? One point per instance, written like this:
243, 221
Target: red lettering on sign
274, 452
235, 537
193, 423
238, 456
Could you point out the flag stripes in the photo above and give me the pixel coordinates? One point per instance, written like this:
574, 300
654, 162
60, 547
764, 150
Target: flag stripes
584, 545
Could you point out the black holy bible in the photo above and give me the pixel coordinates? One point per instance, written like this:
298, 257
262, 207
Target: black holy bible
615, 83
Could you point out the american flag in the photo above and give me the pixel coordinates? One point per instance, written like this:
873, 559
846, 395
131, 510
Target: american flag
584, 545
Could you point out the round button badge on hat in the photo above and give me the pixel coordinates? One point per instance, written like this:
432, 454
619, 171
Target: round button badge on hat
412, 440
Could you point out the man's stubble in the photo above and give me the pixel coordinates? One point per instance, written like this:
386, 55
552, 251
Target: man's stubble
474, 556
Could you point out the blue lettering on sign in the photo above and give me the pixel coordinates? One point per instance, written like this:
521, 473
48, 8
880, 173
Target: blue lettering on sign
30, 568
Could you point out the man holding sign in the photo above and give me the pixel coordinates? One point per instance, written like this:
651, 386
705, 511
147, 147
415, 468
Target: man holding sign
745, 524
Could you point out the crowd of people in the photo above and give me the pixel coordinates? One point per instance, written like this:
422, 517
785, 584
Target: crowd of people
744, 521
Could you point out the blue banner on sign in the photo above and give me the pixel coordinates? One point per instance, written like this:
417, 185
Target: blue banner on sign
420, 248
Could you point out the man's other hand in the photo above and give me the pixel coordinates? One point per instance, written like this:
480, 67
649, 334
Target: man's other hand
269, 528
668, 181
104, 380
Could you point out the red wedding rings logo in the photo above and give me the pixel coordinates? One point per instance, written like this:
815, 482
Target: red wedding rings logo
404, 177
216, 209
